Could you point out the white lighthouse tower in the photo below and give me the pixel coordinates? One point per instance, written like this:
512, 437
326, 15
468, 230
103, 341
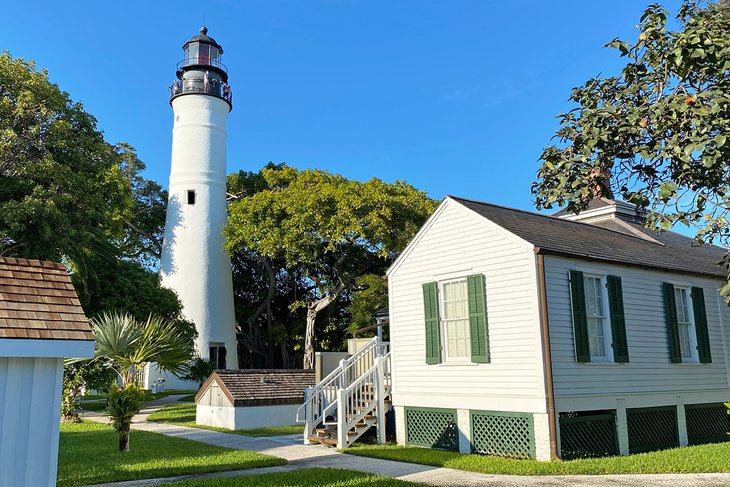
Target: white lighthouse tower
194, 262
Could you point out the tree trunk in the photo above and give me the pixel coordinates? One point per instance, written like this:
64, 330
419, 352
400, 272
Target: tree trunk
254, 329
124, 439
312, 312
309, 338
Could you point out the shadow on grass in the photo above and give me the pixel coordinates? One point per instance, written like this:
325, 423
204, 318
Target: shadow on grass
88, 455
321, 477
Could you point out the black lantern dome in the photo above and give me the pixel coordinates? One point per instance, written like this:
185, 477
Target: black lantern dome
201, 71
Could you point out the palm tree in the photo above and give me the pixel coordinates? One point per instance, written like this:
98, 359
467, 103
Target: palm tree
127, 345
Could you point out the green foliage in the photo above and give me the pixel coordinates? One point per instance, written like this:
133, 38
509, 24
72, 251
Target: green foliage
85, 456
78, 375
693, 459
198, 370
325, 230
144, 223
126, 286
62, 193
370, 295
306, 215
322, 477
127, 345
657, 133
122, 405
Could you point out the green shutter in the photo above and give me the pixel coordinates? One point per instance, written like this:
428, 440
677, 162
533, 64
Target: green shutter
670, 309
618, 321
433, 333
478, 319
703, 336
580, 321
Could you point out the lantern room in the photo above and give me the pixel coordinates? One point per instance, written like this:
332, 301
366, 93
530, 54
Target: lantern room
201, 70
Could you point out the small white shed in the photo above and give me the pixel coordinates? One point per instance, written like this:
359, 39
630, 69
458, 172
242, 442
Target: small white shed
256, 398
41, 323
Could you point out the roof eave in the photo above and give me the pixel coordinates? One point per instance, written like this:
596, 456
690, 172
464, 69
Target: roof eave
543, 251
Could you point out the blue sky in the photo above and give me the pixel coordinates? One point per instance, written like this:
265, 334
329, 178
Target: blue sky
455, 97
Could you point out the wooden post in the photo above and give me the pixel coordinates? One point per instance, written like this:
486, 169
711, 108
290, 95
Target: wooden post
343, 365
380, 399
341, 419
308, 414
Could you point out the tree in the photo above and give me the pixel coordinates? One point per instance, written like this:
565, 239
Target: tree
126, 286
144, 223
657, 134
198, 370
126, 345
327, 229
62, 193
80, 375
369, 296
122, 405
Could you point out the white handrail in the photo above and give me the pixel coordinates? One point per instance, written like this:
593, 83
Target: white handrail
364, 396
343, 394
325, 393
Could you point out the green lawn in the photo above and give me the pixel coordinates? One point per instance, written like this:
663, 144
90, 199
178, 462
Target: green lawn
88, 455
172, 392
190, 398
321, 477
184, 415
93, 406
694, 459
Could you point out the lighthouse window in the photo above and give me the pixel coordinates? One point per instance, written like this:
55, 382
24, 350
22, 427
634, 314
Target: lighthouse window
191, 53
204, 51
218, 355
191, 196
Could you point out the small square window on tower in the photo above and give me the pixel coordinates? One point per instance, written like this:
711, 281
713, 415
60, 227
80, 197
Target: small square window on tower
191, 196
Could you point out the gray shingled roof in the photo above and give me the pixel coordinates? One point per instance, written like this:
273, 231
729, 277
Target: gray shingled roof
263, 387
591, 241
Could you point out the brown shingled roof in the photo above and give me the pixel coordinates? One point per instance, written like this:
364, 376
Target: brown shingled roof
672, 252
262, 387
38, 301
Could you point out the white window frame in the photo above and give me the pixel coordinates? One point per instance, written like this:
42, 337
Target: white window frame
692, 328
607, 329
442, 324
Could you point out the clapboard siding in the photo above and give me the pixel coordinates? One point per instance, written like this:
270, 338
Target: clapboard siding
458, 243
649, 370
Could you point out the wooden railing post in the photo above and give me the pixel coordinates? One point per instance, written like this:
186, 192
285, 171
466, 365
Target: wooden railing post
343, 366
380, 399
341, 418
308, 414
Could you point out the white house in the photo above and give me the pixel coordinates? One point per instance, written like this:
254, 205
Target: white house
255, 398
526, 335
41, 322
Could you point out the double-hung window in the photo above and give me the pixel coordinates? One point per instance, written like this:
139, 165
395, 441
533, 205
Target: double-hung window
456, 320
599, 326
689, 340
685, 325
599, 331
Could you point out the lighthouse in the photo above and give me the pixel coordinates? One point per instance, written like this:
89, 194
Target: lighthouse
194, 262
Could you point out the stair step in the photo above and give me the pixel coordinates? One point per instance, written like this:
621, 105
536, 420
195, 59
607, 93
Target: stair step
324, 441
327, 431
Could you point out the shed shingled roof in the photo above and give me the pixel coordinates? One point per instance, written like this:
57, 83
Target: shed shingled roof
262, 387
38, 301
671, 252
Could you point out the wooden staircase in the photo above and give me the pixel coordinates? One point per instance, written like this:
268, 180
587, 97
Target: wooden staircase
352, 399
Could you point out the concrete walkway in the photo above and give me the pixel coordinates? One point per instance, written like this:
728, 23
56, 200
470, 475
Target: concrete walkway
307, 456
